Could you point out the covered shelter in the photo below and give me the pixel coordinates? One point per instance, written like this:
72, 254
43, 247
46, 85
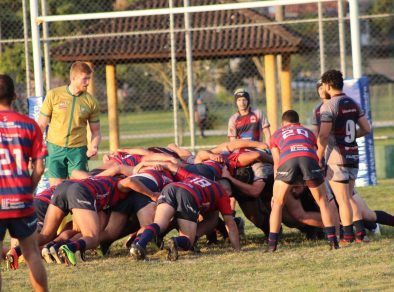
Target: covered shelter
215, 34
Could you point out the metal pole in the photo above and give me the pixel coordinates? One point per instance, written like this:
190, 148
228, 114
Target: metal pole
26, 42
321, 38
355, 37
342, 44
279, 17
35, 35
173, 74
189, 76
45, 34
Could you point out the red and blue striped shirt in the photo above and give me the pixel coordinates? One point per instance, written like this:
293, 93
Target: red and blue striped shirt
20, 140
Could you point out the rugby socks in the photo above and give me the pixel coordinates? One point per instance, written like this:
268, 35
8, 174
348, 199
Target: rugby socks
80, 245
137, 238
18, 250
149, 233
370, 225
182, 242
384, 218
348, 234
331, 236
360, 229
273, 239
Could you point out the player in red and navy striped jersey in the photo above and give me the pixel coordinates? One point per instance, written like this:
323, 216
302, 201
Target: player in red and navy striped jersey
293, 150
21, 141
248, 123
185, 200
84, 198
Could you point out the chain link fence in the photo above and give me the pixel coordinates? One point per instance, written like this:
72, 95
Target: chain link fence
140, 49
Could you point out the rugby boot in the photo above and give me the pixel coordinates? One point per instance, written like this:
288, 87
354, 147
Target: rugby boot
46, 255
172, 249
364, 239
54, 251
12, 259
137, 252
67, 255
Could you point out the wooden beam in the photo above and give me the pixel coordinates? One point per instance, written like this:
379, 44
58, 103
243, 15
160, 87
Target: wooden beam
270, 89
113, 121
285, 83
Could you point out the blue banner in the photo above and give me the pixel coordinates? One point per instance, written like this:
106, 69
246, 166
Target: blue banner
358, 89
34, 104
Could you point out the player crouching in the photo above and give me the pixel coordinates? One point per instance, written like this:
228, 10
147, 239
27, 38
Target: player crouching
184, 200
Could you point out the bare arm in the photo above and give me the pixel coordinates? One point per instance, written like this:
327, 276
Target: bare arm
364, 127
294, 207
129, 183
267, 135
116, 169
232, 230
38, 170
251, 190
95, 140
322, 141
138, 151
315, 130
275, 158
43, 122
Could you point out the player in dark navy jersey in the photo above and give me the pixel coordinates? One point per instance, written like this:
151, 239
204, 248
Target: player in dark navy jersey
21, 140
185, 200
337, 145
295, 159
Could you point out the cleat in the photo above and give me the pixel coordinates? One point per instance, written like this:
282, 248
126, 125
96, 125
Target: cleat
159, 242
80, 256
172, 249
376, 231
137, 252
12, 260
130, 240
346, 243
103, 249
334, 245
365, 239
271, 248
55, 255
46, 255
67, 255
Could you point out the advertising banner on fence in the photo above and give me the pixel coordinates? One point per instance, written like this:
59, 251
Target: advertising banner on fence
358, 89
34, 104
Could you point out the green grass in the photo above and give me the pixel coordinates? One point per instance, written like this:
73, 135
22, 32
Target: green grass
298, 265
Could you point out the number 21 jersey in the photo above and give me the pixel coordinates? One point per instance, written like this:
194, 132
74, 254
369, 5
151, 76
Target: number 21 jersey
20, 140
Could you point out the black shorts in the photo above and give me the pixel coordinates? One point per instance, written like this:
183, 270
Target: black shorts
202, 169
182, 201
18, 227
41, 209
134, 200
69, 195
300, 169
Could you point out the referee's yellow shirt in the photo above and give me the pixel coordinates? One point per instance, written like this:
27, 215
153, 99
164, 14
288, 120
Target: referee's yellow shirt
69, 115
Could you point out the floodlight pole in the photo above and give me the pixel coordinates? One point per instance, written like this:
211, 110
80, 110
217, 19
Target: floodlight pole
35, 35
26, 42
321, 38
341, 30
355, 37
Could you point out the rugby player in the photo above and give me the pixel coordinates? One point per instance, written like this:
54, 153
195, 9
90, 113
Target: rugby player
337, 148
295, 159
21, 141
184, 200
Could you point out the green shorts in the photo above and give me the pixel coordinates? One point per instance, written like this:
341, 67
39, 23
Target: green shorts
61, 161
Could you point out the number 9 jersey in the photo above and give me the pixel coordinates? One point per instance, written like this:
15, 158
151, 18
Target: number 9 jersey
343, 112
20, 140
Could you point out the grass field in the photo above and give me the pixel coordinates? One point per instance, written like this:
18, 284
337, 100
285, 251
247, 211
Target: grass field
299, 264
